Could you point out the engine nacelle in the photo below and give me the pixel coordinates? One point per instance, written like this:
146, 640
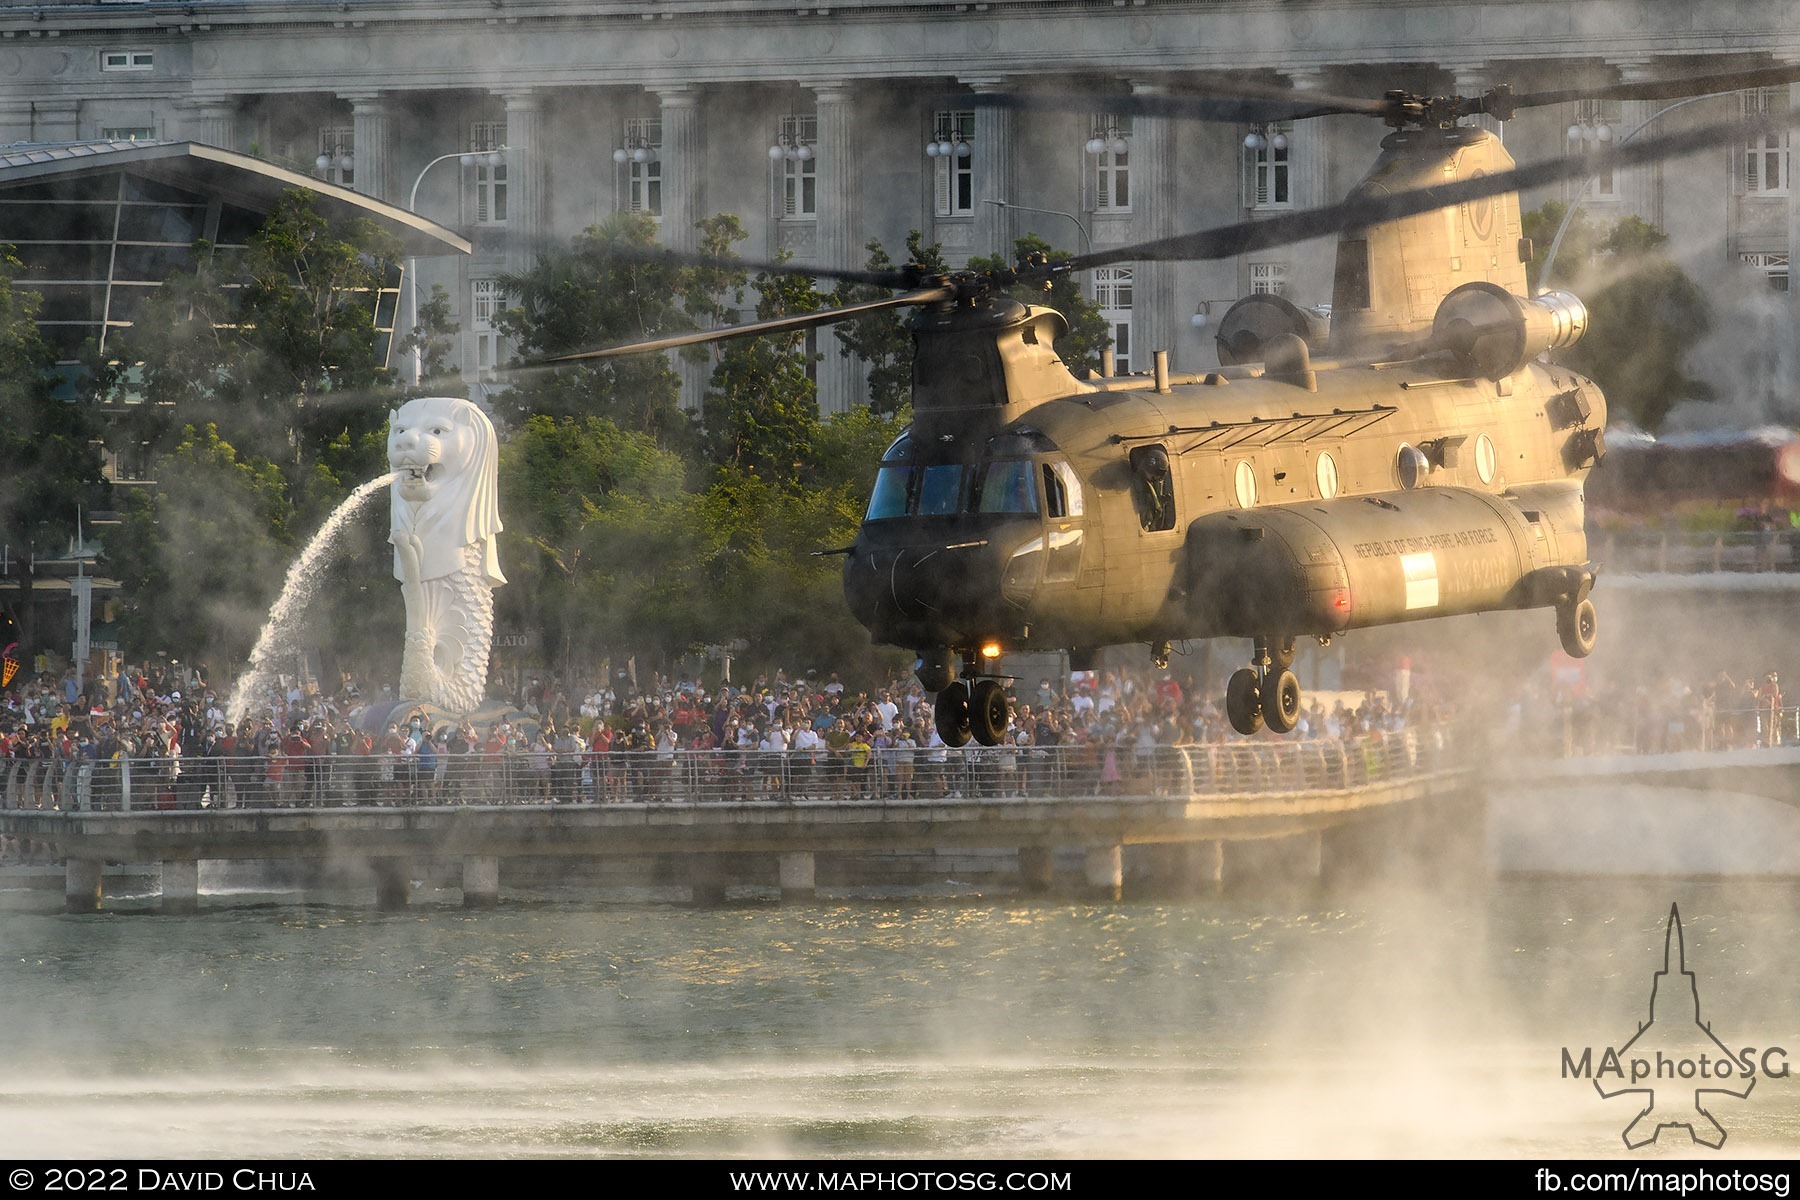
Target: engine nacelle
1320, 568
1496, 332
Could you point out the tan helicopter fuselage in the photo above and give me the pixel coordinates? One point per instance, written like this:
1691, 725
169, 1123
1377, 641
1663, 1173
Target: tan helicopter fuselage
1326, 499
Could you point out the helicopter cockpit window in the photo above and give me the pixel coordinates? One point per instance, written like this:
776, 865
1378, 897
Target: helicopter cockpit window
1155, 487
1006, 488
1062, 491
889, 497
940, 488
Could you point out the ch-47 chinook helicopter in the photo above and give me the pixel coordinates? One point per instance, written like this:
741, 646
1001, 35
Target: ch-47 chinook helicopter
1423, 459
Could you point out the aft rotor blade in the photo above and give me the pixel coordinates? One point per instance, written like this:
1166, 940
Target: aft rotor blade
1373, 208
827, 316
1669, 89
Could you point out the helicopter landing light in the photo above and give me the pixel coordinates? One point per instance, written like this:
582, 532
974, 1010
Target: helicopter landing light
990, 650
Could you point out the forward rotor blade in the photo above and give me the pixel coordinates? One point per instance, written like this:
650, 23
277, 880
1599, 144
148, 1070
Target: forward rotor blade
1267, 105
1362, 211
898, 277
827, 316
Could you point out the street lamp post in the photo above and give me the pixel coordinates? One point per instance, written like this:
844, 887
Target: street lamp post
1087, 244
492, 158
1569, 217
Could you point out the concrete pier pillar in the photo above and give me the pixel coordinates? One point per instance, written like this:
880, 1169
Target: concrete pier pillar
1104, 871
180, 886
1037, 868
796, 873
481, 881
706, 879
81, 884
393, 883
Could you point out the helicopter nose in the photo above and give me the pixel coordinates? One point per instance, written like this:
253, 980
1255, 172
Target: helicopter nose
939, 585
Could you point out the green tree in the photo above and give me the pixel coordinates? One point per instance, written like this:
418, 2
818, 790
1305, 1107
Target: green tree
203, 558
883, 340
1645, 312
613, 285
762, 408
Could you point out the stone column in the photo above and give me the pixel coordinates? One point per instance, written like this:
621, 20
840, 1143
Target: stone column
180, 886
1154, 313
683, 170
1309, 174
1470, 80
211, 123
993, 167
1640, 188
841, 379
527, 201
796, 872
371, 124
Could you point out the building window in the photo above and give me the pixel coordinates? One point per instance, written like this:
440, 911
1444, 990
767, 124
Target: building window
1774, 268
128, 133
127, 60
1268, 278
955, 179
1110, 148
1766, 166
485, 302
488, 199
337, 155
1112, 296
796, 167
1268, 180
641, 161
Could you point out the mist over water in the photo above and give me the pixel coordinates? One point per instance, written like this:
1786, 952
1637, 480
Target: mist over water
1391, 1022
280, 639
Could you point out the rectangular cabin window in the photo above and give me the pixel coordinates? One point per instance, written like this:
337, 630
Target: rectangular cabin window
1062, 491
1352, 287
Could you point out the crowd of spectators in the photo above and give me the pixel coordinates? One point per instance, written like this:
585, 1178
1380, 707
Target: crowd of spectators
167, 737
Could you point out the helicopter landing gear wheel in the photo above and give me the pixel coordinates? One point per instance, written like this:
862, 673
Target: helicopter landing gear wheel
951, 714
1281, 701
1243, 702
988, 713
1578, 625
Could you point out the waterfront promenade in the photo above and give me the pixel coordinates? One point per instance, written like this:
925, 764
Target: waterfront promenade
1210, 813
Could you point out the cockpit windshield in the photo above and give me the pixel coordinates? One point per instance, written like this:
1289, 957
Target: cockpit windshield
1005, 486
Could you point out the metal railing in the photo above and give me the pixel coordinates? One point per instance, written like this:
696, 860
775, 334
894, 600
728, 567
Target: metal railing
711, 776
1568, 731
1752, 550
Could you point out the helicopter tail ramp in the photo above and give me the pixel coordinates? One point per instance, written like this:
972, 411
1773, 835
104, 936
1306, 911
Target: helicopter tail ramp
1321, 568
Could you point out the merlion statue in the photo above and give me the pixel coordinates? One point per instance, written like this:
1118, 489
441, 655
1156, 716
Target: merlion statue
446, 518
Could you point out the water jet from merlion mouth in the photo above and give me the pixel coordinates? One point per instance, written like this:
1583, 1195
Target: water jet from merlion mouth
277, 643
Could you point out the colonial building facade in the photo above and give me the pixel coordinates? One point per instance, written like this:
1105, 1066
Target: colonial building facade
522, 122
